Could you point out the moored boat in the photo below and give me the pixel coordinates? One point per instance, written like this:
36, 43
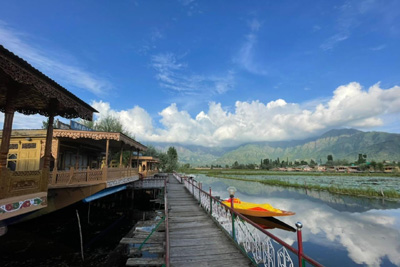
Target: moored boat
255, 209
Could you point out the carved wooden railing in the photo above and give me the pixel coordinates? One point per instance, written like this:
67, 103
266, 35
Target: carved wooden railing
18, 183
90, 176
117, 173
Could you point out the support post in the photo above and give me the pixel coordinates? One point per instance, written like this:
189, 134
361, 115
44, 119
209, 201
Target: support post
120, 156
210, 202
299, 225
233, 219
105, 167
199, 185
5, 141
49, 140
130, 158
107, 147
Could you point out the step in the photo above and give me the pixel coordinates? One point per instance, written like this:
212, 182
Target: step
151, 248
145, 262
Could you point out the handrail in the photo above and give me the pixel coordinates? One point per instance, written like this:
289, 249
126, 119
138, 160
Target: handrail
299, 253
166, 223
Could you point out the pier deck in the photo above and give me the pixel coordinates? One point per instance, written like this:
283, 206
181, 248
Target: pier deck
195, 240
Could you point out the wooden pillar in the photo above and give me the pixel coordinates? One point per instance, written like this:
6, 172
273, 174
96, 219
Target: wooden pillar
49, 140
77, 159
57, 156
137, 159
107, 146
120, 156
5, 140
130, 157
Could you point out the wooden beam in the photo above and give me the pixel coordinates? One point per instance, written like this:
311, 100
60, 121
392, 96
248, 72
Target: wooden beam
49, 140
120, 156
5, 140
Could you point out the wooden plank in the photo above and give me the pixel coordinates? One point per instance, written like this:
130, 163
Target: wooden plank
146, 234
127, 240
145, 262
219, 263
153, 248
200, 258
201, 250
195, 240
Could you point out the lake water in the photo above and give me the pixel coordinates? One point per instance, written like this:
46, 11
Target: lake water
337, 230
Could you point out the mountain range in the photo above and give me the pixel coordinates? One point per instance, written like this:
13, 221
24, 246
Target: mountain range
343, 144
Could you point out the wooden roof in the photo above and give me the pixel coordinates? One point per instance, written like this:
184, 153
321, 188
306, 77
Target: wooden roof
73, 134
149, 159
29, 91
91, 137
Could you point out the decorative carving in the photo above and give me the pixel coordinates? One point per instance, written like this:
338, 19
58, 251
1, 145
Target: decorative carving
13, 146
41, 91
24, 184
12, 207
73, 134
28, 145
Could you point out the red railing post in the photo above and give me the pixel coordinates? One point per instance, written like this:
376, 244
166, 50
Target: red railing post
233, 219
299, 225
210, 202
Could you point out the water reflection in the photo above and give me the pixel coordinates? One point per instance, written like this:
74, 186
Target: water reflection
353, 231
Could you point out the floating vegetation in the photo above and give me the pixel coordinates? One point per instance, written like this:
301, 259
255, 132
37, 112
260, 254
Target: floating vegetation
356, 191
284, 173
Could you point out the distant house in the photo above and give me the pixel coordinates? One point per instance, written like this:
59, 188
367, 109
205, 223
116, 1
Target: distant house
320, 168
388, 169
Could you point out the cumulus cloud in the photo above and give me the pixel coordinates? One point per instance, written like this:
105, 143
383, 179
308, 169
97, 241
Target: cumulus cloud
53, 66
349, 106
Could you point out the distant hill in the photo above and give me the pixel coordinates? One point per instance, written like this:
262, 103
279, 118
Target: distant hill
340, 143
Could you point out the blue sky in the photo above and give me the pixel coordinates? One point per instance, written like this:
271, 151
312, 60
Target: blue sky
217, 73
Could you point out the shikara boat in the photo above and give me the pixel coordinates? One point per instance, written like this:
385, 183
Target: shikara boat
270, 223
256, 210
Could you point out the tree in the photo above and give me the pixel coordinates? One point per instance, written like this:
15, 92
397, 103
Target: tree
45, 123
109, 124
362, 158
151, 152
235, 165
172, 160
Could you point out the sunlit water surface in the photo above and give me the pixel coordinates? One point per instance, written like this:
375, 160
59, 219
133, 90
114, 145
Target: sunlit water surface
337, 230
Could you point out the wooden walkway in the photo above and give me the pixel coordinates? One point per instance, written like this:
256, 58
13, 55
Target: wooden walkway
195, 240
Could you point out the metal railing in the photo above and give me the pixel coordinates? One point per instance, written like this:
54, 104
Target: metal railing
149, 183
166, 223
259, 245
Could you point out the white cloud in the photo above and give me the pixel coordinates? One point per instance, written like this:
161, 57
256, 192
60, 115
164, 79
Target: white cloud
54, 67
175, 76
378, 48
246, 56
349, 106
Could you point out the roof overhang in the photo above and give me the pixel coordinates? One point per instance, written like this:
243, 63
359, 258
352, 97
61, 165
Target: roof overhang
28, 91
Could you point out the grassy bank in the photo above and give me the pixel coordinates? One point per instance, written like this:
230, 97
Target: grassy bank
364, 192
